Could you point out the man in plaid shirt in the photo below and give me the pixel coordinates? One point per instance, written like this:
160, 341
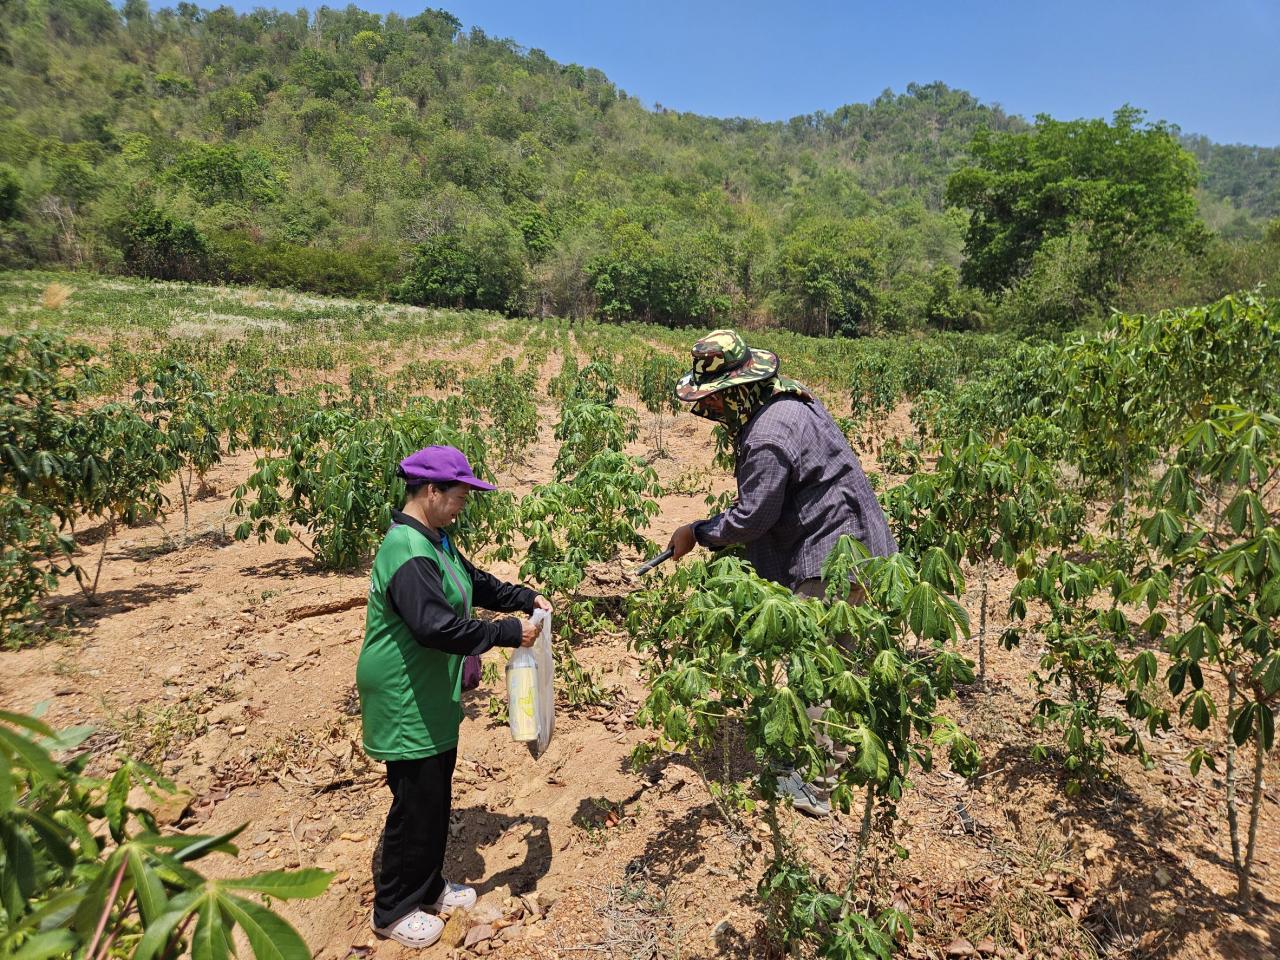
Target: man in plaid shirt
800, 485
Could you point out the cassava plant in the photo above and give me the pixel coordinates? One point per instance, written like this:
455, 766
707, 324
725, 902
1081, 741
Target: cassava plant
336, 482
985, 503
1085, 664
598, 504
730, 648
657, 389
183, 409
87, 874
1215, 525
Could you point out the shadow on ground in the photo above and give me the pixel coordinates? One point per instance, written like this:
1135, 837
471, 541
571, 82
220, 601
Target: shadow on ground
1152, 904
472, 828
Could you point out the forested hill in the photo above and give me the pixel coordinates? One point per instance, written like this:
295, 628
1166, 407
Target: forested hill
347, 152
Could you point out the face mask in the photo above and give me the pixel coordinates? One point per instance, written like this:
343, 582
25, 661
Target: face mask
742, 400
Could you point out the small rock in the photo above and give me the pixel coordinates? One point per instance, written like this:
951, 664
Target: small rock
486, 913
353, 837
723, 929
239, 731
1162, 877
478, 934
495, 898
455, 928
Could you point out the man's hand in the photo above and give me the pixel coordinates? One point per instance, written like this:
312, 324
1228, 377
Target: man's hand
541, 603
528, 633
682, 541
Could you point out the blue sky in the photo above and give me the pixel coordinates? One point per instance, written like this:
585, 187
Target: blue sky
1210, 67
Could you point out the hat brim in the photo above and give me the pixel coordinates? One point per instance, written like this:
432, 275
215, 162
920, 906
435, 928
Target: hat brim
475, 484
762, 365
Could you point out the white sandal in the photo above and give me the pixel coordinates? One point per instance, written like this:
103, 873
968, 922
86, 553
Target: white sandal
418, 929
453, 897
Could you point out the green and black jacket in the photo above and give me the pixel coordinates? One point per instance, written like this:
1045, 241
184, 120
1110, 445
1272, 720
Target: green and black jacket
418, 631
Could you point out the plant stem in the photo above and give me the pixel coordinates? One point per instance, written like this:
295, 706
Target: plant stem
106, 909
186, 513
102, 555
982, 627
775, 831
864, 837
1255, 814
1233, 817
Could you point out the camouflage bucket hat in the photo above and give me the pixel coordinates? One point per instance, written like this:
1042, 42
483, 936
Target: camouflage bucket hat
723, 359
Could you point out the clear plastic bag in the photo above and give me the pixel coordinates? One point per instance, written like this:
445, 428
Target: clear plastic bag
531, 696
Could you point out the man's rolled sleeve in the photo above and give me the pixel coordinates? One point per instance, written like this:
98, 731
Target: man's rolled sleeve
762, 490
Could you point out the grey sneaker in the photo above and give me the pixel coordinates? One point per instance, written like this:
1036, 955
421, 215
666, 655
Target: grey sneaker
803, 797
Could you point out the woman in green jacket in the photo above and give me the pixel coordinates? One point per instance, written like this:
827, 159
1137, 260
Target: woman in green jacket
419, 630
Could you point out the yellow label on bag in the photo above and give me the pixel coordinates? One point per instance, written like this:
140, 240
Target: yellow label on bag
521, 696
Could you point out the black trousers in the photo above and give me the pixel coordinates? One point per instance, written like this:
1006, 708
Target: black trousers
414, 838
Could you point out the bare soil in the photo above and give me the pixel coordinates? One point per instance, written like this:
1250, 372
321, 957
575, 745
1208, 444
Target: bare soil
232, 665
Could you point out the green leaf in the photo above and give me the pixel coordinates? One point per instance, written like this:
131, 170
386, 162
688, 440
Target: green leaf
1203, 709
1242, 728
194, 847
115, 807
284, 884
54, 837
158, 933
8, 792
211, 940
871, 760
51, 943
28, 723
20, 859
36, 757
270, 936
152, 901
1268, 673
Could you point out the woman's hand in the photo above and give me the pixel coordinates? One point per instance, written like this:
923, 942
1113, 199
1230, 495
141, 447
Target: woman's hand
541, 603
528, 633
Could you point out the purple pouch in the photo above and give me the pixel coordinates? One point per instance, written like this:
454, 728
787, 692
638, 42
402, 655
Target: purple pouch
471, 673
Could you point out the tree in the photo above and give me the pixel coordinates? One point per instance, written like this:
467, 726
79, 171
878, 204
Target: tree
478, 264
831, 272
10, 193
1123, 184
154, 243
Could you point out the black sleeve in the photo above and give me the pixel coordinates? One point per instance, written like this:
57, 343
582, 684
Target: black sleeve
417, 595
493, 594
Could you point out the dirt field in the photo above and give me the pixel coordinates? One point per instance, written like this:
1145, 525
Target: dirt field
233, 665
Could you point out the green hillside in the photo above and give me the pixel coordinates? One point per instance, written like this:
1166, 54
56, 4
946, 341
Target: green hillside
345, 152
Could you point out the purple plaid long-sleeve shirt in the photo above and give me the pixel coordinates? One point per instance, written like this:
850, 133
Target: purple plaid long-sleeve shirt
800, 487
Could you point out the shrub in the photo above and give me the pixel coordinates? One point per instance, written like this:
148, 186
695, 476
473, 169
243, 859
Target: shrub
367, 271
154, 243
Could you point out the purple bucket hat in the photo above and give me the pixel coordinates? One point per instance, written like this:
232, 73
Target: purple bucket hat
441, 465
